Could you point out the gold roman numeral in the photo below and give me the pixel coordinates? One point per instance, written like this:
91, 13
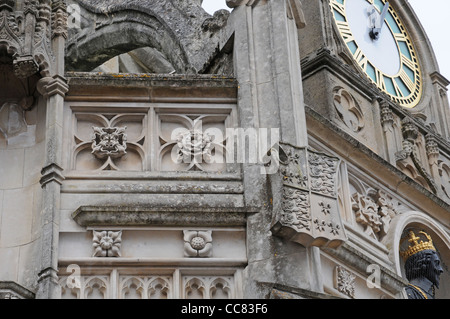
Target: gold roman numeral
346, 33
410, 64
380, 80
338, 7
397, 88
407, 81
360, 58
400, 37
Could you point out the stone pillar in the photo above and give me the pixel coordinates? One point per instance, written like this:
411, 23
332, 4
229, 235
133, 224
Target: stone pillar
433, 153
267, 67
53, 89
387, 123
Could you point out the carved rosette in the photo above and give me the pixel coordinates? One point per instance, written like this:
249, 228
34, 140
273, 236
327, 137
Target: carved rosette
194, 146
308, 212
109, 142
107, 243
197, 243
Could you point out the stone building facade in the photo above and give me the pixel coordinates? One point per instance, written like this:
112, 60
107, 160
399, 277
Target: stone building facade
151, 150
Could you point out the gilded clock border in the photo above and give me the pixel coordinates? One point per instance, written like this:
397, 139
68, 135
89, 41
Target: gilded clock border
414, 98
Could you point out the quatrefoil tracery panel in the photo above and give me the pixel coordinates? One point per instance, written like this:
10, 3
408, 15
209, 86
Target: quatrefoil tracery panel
109, 142
192, 142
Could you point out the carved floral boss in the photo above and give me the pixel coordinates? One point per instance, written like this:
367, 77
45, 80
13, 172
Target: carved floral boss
109, 142
112, 144
107, 243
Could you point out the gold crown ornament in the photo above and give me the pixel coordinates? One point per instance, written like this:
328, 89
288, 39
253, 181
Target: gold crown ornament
415, 246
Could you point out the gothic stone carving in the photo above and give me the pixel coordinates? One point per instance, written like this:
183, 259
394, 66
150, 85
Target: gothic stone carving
105, 141
408, 158
192, 143
109, 142
194, 147
374, 210
366, 211
26, 34
197, 243
107, 243
345, 282
309, 212
348, 110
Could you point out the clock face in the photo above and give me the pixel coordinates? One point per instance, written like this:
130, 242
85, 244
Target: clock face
381, 47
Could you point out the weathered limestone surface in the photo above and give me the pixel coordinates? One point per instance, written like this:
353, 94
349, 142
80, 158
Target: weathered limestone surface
182, 35
106, 185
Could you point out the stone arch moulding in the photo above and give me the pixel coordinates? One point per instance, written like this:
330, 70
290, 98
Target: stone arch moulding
417, 220
112, 27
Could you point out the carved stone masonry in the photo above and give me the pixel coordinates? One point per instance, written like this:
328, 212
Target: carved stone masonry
107, 243
197, 243
308, 212
375, 212
30, 44
109, 142
408, 158
366, 211
345, 282
194, 147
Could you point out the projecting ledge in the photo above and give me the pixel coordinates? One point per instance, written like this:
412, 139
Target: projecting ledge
96, 216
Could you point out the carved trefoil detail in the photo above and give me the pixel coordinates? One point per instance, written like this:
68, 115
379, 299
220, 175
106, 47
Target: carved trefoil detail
348, 110
308, 212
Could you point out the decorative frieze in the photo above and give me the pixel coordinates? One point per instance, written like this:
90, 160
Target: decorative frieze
126, 283
208, 287
145, 287
308, 212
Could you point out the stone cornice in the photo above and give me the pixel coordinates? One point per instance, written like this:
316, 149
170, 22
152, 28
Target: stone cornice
102, 216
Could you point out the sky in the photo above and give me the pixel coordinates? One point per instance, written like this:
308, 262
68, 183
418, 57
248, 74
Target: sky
433, 15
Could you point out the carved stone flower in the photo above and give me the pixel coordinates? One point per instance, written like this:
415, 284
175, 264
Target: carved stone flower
197, 243
109, 142
194, 146
107, 243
